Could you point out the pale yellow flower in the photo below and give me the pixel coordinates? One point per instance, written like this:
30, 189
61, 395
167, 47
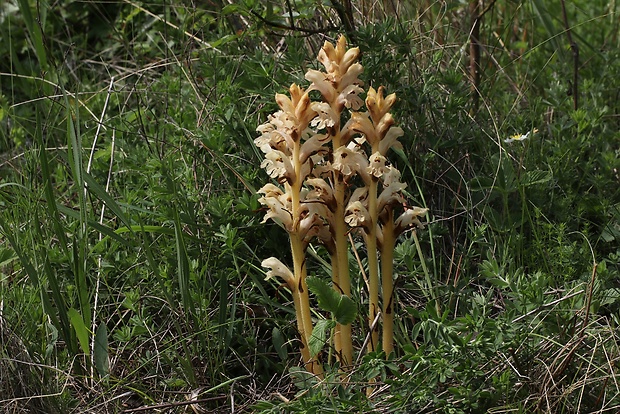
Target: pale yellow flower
349, 162
409, 217
278, 269
278, 165
357, 215
376, 165
326, 117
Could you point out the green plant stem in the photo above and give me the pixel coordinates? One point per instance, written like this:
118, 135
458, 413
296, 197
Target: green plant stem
387, 280
373, 264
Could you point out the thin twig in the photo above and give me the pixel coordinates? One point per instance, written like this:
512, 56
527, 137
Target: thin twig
547, 305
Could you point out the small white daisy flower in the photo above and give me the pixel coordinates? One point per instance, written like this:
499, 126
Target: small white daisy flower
520, 137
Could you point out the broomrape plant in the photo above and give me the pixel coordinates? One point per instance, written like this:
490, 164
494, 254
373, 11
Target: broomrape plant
334, 179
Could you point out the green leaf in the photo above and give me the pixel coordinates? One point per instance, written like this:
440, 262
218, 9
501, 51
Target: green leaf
346, 311
342, 308
319, 335
102, 360
279, 344
80, 329
536, 177
327, 297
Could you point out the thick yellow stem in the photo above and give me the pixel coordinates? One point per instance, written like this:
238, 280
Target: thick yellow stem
336, 282
300, 290
387, 278
373, 265
302, 306
344, 280
344, 345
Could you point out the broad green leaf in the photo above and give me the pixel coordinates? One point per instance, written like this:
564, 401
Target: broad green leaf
319, 335
279, 343
536, 177
346, 311
327, 297
102, 359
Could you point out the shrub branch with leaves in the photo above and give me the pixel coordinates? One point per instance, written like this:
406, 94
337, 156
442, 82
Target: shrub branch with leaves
330, 161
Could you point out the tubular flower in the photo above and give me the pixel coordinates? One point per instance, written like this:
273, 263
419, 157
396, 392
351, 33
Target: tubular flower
312, 223
391, 195
326, 115
409, 217
321, 191
349, 162
278, 269
275, 134
361, 123
349, 97
376, 166
392, 175
313, 145
390, 140
279, 209
357, 215
278, 165
321, 83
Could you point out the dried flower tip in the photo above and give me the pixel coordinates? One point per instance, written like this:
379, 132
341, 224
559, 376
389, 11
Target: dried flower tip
377, 105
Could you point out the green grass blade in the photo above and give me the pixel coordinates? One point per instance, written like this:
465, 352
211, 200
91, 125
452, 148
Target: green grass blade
77, 321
